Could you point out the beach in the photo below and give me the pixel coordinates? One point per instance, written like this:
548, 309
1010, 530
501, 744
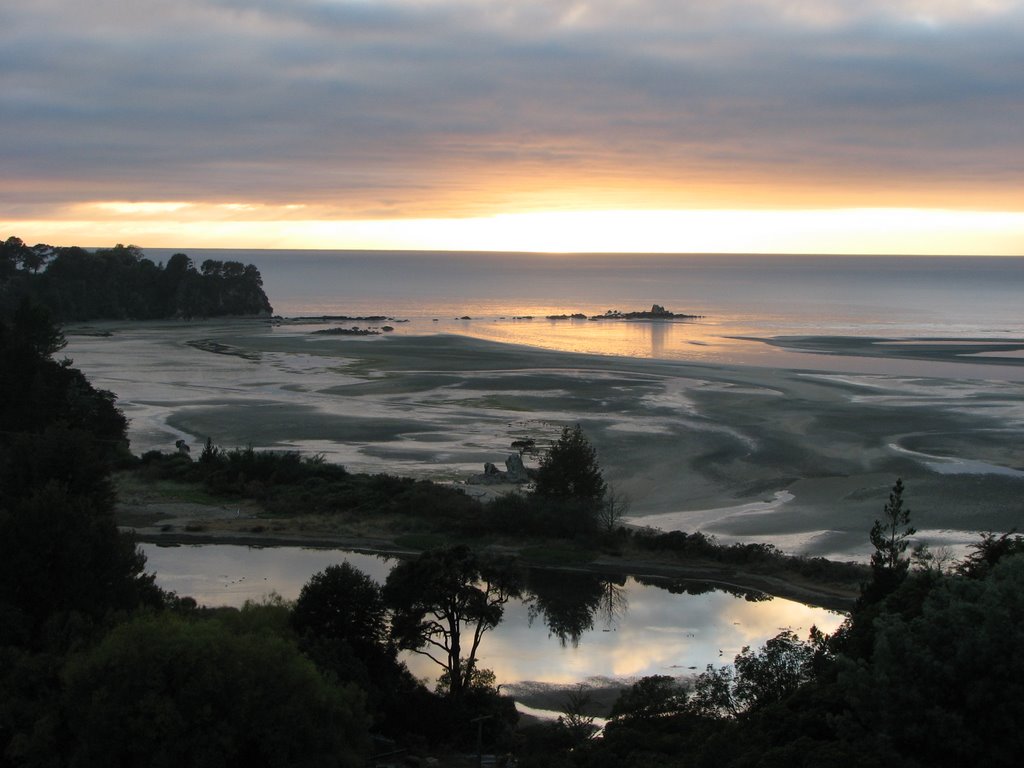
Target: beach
800, 458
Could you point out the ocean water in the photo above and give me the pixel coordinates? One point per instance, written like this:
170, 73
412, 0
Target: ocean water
737, 296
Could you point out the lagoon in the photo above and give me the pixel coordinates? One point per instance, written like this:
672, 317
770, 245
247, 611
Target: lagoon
638, 628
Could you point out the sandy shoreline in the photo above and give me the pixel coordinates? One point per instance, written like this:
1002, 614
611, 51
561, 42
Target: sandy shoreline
709, 447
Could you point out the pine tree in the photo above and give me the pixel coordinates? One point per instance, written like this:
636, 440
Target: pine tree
569, 470
891, 535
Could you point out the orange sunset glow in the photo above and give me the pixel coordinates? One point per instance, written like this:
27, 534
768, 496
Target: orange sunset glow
750, 125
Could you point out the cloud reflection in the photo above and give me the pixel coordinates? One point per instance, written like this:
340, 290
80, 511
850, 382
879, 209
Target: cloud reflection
652, 631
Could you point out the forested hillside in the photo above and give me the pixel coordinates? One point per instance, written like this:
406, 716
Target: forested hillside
120, 283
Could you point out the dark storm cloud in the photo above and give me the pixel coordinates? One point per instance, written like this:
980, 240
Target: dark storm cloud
380, 106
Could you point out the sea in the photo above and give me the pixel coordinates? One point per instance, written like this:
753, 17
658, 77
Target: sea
506, 297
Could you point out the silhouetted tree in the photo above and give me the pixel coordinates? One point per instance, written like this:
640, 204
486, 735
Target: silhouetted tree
757, 679
60, 550
649, 697
569, 470
988, 552
343, 603
570, 483
611, 512
444, 601
890, 537
566, 601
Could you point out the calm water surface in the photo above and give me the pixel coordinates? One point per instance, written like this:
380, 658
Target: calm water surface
636, 630
737, 296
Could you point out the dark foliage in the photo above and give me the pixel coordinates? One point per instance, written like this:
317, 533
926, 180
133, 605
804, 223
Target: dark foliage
444, 601
285, 482
569, 470
343, 626
66, 572
165, 691
989, 551
60, 550
342, 603
120, 283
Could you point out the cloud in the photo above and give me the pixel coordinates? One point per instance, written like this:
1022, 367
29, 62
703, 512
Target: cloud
431, 107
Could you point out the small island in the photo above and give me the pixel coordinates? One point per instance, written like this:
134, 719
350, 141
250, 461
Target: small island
656, 312
355, 330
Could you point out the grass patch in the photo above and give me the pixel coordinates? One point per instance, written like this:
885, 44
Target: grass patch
131, 484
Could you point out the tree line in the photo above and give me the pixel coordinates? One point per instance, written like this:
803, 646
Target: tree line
120, 283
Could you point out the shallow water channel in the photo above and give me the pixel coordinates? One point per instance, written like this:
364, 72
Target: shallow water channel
573, 627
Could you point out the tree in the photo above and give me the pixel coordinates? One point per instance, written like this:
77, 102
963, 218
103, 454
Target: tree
570, 487
442, 604
890, 536
569, 470
33, 328
988, 552
945, 683
167, 691
650, 697
62, 556
566, 601
344, 604
714, 693
757, 679
611, 513
576, 717
120, 282
781, 666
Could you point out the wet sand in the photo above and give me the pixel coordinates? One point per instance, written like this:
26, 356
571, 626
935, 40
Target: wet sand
800, 458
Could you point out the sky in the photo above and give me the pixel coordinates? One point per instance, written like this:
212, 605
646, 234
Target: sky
831, 126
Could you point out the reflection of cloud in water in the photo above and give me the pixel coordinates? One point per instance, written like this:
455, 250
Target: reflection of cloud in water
647, 641
661, 633
230, 574
751, 626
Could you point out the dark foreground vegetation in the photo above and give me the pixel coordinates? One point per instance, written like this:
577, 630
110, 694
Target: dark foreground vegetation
100, 667
120, 283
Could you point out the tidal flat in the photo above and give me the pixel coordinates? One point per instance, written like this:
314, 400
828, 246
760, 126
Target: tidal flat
802, 458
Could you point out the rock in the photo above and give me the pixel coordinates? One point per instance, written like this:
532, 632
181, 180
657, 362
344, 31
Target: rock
515, 470
490, 476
